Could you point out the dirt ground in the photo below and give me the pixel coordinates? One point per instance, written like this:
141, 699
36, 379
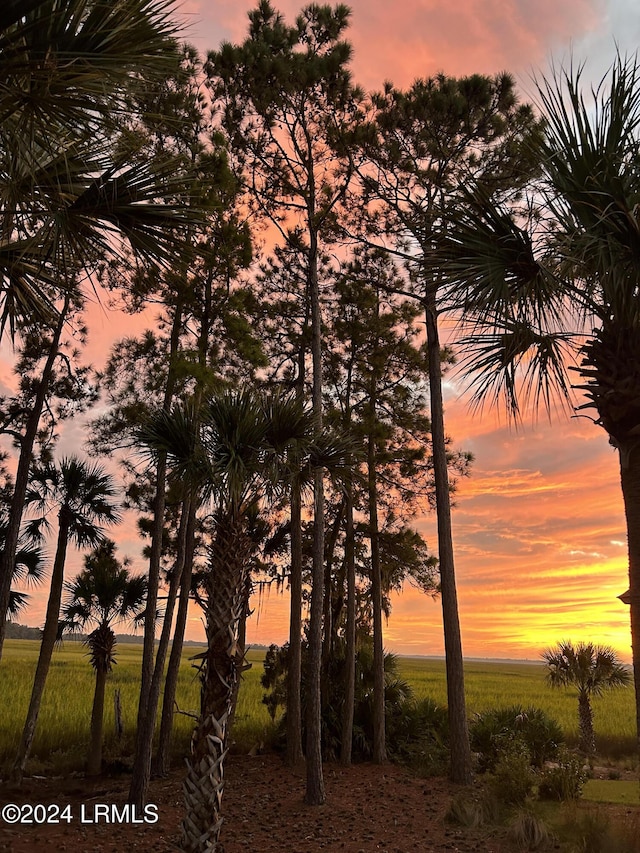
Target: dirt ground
368, 808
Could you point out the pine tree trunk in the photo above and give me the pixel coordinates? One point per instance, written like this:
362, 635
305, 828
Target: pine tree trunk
226, 602
315, 793
8, 556
330, 625
144, 736
460, 770
49, 636
145, 725
295, 751
630, 477
350, 652
295, 755
163, 756
379, 745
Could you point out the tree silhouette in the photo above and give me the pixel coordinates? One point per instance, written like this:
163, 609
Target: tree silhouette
103, 594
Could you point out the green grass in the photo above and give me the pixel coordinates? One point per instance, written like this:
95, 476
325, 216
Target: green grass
612, 791
63, 728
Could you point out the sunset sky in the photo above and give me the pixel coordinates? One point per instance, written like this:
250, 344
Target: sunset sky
538, 526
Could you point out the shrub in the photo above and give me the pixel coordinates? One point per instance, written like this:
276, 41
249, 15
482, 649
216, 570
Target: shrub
565, 780
409, 724
512, 779
417, 734
492, 731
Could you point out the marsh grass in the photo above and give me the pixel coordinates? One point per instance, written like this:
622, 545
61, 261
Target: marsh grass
62, 736
498, 685
63, 728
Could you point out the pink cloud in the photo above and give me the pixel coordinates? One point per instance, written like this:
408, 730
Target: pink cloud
423, 37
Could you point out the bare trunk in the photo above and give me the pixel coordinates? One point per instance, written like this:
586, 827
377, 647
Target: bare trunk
295, 755
145, 725
8, 556
460, 770
94, 762
630, 477
315, 793
163, 756
379, 745
146, 728
350, 652
295, 751
243, 665
47, 645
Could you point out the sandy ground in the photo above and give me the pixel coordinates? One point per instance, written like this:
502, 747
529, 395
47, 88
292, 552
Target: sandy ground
368, 808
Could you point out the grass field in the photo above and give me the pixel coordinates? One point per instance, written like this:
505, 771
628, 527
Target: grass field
63, 727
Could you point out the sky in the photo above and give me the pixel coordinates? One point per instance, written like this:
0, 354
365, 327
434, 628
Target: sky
538, 525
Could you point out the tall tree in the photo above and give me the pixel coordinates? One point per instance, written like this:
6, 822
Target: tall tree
284, 92
375, 381
102, 595
416, 154
543, 282
83, 495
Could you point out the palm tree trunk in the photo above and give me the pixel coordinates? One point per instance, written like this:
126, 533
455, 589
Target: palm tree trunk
94, 761
49, 636
8, 556
630, 477
204, 784
460, 770
585, 719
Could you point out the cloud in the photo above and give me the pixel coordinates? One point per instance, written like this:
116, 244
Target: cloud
423, 37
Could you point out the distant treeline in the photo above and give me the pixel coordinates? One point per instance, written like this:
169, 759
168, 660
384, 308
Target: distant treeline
24, 632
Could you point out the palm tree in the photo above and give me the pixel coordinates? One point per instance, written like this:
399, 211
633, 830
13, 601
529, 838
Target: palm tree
29, 568
104, 593
72, 190
238, 458
555, 279
592, 669
83, 495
